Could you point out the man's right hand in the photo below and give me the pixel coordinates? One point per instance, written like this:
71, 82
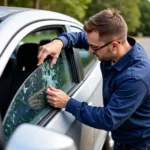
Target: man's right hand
53, 49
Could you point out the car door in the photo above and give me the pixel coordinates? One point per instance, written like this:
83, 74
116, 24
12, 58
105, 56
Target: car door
23, 84
22, 80
92, 77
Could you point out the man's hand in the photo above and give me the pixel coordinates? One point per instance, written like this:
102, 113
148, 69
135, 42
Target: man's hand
57, 98
53, 49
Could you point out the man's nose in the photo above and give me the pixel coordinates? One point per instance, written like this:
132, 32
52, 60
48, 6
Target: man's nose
90, 50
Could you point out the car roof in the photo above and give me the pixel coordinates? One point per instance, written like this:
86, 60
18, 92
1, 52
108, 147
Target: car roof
7, 11
17, 18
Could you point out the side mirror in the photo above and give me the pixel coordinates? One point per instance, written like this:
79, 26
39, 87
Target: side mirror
29, 137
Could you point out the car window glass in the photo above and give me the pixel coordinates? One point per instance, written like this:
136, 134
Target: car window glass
29, 84
87, 59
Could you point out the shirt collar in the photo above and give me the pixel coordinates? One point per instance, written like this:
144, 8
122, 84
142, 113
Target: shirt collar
127, 58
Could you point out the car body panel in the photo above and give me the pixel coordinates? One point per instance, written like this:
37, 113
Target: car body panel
11, 43
29, 18
88, 89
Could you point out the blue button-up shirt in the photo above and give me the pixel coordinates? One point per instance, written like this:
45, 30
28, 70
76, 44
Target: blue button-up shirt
126, 94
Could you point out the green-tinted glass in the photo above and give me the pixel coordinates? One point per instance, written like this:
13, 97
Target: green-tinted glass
29, 105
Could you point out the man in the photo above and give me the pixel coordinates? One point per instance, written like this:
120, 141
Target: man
126, 80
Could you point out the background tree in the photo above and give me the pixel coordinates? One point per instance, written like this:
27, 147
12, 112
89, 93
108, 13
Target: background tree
37, 4
135, 12
144, 6
74, 8
129, 10
21, 3
5, 2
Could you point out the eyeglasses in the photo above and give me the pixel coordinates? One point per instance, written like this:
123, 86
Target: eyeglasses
96, 48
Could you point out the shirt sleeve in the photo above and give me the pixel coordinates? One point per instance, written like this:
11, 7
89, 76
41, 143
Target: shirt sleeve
123, 103
74, 39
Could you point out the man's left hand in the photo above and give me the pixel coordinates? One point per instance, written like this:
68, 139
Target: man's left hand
57, 98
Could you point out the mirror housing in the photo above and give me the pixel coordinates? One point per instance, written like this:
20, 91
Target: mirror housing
29, 137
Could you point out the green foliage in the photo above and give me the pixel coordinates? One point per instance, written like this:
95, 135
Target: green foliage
74, 8
21, 3
129, 10
144, 6
132, 14
135, 12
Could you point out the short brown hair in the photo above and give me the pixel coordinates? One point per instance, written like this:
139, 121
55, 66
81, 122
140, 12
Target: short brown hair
109, 23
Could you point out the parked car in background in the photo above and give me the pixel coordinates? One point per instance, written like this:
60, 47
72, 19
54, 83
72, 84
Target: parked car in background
23, 84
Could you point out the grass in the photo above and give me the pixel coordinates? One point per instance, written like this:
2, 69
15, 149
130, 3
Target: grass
37, 38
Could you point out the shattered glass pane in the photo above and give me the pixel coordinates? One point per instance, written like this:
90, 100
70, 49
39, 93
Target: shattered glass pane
29, 105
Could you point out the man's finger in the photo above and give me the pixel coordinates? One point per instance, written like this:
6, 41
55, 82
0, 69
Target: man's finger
50, 92
49, 97
54, 60
51, 102
42, 58
41, 50
52, 88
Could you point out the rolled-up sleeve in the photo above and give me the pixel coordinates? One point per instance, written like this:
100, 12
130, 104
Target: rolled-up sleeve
74, 39
124, 101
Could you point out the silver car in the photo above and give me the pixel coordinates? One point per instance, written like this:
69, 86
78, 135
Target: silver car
23, 84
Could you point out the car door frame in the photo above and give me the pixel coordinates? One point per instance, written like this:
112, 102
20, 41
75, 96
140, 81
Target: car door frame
58, 120
11, 45
102, 136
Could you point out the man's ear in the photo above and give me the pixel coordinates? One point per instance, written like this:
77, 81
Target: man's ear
115, 44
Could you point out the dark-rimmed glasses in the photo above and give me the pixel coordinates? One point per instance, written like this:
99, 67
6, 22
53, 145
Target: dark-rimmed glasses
96, 48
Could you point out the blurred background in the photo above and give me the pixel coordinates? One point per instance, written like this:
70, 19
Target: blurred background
135, 12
